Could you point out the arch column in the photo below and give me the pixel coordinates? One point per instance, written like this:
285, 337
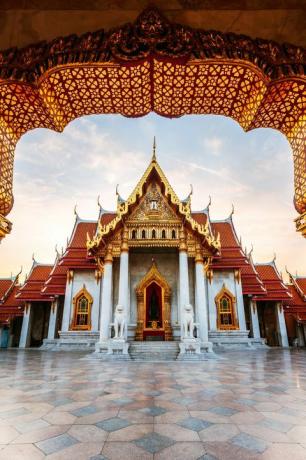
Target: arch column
254, 319
183, 276
200, 296
106, 301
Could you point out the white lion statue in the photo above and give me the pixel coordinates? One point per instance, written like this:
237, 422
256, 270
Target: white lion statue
119, 323
188, 321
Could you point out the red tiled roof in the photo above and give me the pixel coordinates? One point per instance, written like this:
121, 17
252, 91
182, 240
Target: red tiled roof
75, 255
276, 289
31, 289
301, 282
10, 307
200, 217
232, 255
56, 282
5, 284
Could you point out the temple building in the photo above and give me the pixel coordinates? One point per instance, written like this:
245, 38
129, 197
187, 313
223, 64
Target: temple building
295, 311
152, 274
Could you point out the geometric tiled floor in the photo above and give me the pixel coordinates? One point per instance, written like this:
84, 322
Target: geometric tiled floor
60, 406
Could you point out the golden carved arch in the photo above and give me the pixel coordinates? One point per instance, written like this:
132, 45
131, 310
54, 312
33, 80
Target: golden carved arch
79, 312
226, 310
152, 65
153, 276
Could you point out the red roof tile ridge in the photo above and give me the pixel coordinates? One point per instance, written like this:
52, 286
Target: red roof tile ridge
294, 281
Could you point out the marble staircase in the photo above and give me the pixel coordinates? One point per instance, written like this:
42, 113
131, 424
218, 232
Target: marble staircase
154, 351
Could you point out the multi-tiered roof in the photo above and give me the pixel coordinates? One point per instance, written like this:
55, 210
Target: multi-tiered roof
261, 281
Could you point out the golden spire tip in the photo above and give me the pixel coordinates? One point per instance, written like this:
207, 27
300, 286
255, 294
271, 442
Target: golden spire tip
154, 150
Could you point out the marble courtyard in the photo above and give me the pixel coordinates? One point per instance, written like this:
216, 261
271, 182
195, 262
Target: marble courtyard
241, 405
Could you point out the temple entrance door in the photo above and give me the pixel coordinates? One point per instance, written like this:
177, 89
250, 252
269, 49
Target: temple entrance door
154, 312
153, 307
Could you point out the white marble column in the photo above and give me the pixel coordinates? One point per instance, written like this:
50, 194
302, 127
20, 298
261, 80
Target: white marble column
106, 301
212, 309
254, 319
68, 307
200, 296
281, 324
300, 335
26, 327
52, 320
183, 276
123, 296
240, 302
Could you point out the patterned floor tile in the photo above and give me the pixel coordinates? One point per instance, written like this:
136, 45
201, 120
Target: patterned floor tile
154, 442
153, 410
82, 411
49, 446
194, 424
249, 442
223, 411
113, 424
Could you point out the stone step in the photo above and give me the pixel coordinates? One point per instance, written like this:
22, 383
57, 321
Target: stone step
154, 351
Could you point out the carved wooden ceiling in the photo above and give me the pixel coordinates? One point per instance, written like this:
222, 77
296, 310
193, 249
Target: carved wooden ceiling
153, 65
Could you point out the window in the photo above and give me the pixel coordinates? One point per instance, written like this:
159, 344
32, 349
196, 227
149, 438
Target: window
153, 234
134, 234
153, 204
143, 234
82, 311
173, 234
225, 303
164, 234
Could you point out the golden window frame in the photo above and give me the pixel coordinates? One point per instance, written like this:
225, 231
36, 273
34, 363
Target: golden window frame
82, 293
232, 299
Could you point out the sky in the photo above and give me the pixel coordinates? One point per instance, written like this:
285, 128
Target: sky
56, 171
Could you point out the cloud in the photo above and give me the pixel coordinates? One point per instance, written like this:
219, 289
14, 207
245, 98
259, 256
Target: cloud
54, 171
213, 144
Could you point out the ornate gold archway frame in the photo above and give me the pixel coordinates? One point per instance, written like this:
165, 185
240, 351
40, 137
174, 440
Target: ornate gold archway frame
225, 292
152, 65
82, 293
153, 275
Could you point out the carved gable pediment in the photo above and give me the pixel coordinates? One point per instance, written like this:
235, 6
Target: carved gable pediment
153, 207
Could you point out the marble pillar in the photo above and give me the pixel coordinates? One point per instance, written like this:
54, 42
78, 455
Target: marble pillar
123, 295
106, 301
52, 320
25, 335
200, 296
183, 276
300, 335
254, 319
281, 325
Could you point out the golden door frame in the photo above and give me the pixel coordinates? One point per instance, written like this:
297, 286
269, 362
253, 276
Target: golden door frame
225, 292
153, 275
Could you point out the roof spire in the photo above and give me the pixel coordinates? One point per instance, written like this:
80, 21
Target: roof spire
154, 150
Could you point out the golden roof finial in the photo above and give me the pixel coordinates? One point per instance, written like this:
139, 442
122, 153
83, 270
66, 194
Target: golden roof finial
154, 150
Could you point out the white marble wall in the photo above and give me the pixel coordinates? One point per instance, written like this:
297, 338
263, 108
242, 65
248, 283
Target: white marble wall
80, 278
226, 277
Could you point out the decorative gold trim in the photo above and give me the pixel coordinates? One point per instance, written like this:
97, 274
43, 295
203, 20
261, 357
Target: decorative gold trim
85, 293
70, 275
98, 275
184, 208
210, 275
153, 275
5, 226
237, 275
226, 292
